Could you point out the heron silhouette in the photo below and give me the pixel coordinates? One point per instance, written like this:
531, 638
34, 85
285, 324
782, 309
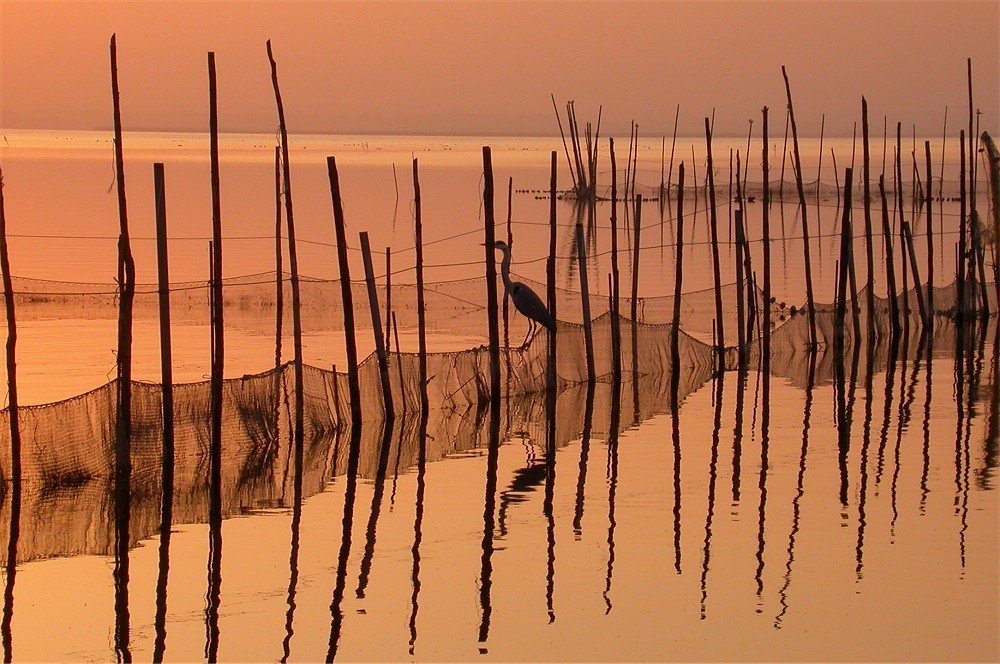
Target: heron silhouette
526, 301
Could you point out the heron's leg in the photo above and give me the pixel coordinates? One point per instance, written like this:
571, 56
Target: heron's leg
531, 326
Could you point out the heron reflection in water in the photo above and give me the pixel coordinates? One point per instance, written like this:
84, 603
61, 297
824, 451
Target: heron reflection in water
526, 301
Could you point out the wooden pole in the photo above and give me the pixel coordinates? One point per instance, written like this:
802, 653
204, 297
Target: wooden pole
810, 305
380, 348
616, 340
962, 231
869, 253
510, 243
916, 273
930, 232
399, 366
902, 236
766, 246
678, 277
340, 227
890, 263
588, 335
563, 134
12, 403
123, 415
637, 221
218, 331
388, 295
166, 362
491, 275
550, 277
293, 268
673, 144
421, 313
741, 320
279, 297
720, 347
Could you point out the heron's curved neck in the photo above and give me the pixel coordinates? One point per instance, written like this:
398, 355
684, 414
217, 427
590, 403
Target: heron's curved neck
505, 268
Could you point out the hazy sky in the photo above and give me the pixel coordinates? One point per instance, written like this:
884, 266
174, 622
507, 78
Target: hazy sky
488, 68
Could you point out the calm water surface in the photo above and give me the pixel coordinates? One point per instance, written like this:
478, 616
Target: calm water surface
801, 514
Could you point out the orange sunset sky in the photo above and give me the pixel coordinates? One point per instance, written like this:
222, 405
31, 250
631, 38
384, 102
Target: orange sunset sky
488, 68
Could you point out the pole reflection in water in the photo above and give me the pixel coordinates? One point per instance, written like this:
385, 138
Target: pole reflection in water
712, 477
865, 445
293, 549
926, 452
765, 422
14, 495
376, 508
613, 427
741, 384
581, 483
799, 485
122, 505
990, 454
890, 376
962, 499
905, 414
418, 521
489, 510
351, 477
550, 487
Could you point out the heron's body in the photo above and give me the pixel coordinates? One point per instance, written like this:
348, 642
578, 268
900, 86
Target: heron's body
526, 301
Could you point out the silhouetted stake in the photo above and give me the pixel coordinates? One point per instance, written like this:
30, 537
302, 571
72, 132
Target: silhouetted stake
399, 363
729, 206
720, 348
218, 370
167, 400
421, 313
340, 227
869, 253
491, 274
218, 330
930, 233
279, 297
637, 220
616, 339
784, 154
843, 266
505, 310
810, 304
904, 254
166, 365
960, 308
743, 255
565, 146
916, 273
766, 243
388, 296
740, 292
675, 357
11, 352
977, 244
123, 419
293, 269
673, 144
550, 278
993, 157
588, 335
890, 269
380, 349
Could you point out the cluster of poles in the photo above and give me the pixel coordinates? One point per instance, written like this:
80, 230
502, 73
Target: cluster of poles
971, 280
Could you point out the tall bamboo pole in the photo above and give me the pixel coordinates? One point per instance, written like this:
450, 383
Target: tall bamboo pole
720, 347
810, 305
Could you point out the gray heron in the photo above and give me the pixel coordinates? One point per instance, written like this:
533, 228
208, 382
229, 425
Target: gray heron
526, 301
